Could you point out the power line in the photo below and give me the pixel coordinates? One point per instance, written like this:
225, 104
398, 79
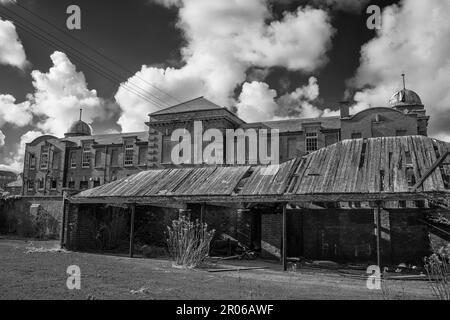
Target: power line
93, 49
111, 76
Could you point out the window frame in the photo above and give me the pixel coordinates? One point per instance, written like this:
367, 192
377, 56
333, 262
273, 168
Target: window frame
311, 138
128, 155
86, 156
44, 155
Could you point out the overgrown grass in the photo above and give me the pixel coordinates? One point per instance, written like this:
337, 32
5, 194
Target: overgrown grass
438, 270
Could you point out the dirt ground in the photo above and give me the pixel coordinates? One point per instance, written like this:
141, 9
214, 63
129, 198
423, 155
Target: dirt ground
42, 275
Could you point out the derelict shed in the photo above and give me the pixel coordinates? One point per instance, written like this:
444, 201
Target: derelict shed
356, 200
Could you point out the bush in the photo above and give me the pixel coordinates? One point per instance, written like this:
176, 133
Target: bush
438, 269
188, 242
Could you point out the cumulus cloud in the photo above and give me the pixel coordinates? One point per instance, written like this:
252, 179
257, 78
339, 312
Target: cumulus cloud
223, 40
413, 39
11, 49
15, 162
15, 113
59, 94
257, 102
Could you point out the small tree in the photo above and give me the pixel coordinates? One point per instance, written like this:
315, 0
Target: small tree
438, 269
188, 242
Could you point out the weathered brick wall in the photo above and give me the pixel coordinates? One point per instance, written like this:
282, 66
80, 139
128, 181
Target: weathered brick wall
271, 228
349, 235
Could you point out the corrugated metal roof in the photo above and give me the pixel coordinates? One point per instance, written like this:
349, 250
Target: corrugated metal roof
363, 166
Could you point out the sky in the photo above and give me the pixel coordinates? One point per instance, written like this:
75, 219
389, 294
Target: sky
263, 59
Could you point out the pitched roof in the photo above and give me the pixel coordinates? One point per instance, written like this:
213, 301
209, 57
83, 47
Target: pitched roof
112, 138
197, 104
293, 125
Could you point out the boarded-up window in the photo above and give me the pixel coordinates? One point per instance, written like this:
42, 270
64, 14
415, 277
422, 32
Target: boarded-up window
167, 145
98, 158
331, 138
291, 148
56, 160
114, 157
356, 135
143, 155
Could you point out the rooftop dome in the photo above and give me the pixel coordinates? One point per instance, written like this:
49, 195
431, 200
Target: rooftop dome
79, 128
405, 97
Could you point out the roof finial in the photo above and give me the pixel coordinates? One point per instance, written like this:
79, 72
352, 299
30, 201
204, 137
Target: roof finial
404, 85
81, 112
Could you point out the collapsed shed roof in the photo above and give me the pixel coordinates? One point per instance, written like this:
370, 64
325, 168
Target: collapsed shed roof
385, 168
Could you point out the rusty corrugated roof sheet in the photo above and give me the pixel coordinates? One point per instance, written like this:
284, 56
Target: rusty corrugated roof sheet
363, 166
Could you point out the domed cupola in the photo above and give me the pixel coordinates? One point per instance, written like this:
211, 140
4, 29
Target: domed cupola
79, 128
406, 100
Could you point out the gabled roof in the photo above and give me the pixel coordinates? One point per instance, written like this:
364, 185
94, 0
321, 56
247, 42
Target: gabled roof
114, 138
197, 104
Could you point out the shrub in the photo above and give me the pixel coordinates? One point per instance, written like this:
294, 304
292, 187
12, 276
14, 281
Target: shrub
438, 270
188, 242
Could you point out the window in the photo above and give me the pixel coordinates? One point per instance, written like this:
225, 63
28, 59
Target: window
167, 145
143, 155
129, 152
40, 184
53, 184
84, 184
114, 157
56, 160
73, 159
291, 148
96, 183
311, 141
98, 158
400, 132
331, 138
30, 184
71, 184
86, 158
32, 161
44, 157
356, 135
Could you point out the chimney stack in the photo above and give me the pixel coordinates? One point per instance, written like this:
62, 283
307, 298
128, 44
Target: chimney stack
344, 108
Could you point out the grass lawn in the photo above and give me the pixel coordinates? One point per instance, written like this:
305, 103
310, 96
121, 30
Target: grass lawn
42, 275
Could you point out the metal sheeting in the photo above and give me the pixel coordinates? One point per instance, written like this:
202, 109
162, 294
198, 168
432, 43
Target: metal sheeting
363, 166
387, 164
179, 182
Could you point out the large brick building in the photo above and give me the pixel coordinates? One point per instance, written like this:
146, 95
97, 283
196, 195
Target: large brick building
81, 160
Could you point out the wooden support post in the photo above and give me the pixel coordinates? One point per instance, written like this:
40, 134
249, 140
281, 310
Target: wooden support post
284, 242
377, 217
63, 223
202, 212
133, 211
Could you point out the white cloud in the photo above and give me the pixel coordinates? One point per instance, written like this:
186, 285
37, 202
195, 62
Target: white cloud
414, 40
18, 114
2, 139
59, 94
225, 39
11, 49
257, 102
15, 162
